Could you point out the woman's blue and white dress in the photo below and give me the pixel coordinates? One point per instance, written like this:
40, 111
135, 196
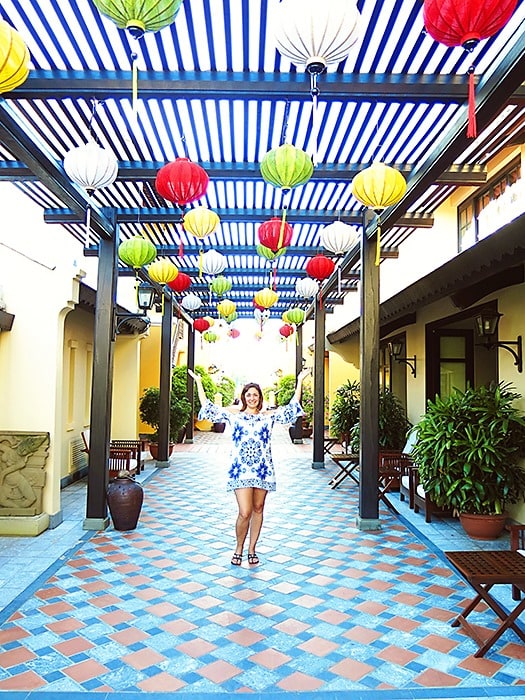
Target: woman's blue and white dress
251, 455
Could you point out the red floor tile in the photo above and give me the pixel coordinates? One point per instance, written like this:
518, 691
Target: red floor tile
300, 682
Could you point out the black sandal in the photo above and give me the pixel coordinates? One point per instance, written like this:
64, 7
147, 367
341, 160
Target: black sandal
237, 559
253, 558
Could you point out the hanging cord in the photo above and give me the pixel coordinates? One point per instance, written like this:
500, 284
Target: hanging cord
378, 243
284, 130
314, 91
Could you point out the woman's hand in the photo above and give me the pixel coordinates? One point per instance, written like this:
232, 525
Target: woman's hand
303, 374
196, 377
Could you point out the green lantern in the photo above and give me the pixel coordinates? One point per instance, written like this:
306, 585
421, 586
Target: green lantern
268, 253
232, 317
139, 16
295, 315
286, 167
137, 252
210, 337
220, 285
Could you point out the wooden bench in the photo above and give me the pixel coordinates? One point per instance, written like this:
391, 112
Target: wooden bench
123, 454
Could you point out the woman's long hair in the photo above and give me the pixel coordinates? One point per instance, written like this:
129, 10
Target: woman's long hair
246, 388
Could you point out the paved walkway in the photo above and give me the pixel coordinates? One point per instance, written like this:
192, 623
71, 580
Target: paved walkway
331, 612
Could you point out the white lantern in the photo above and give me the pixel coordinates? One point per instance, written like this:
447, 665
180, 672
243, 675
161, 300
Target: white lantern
316, 34
213, 263
191, 302
91, 166
306, 288
339, 237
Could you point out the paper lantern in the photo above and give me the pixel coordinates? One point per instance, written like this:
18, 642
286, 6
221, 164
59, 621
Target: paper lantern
320, 267
286, 331
266, 298
181, 182
234, 333
200, 222
284, 316
91, 166
295, 315
261, 315
306, 288
220, 285
191, 302
226, 307
316, 34
286, 167
137, 252
14, 58
275, 234
339, 237
181, 283
210, 336
379, 186
163, 271
201, 324
213, 262
232, 317
139, 17
464, 23
210, 320
268, 254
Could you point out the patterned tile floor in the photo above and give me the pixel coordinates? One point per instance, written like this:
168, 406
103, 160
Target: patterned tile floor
331, 612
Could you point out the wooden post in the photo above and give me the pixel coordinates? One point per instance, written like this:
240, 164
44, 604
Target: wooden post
102, 385
368, 518
165, 382
190, 383
318, 430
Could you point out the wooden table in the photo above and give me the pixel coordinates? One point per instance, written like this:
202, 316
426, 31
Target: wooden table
484, 569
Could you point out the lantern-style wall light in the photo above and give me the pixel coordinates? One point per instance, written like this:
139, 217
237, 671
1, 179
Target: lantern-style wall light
145, 299
487, 326
394, 349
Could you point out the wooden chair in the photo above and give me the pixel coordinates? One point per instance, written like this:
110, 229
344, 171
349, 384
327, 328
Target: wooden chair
137, 447
119, 460
517, 542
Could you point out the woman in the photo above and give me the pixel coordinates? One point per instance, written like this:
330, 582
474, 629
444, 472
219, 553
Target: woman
251, 474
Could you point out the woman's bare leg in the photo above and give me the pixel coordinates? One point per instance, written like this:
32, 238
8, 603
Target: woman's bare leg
259, 497
245, 504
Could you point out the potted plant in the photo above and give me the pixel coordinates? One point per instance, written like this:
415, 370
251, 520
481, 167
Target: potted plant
180, 409
226, 389
345, 410
283, 395
468, 452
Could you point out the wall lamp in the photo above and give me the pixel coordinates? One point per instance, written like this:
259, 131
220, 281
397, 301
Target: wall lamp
145, 301
394, 349
487, 326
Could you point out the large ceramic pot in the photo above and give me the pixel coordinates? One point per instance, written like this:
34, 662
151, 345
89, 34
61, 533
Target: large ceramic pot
154, 449
483, 527
124, 496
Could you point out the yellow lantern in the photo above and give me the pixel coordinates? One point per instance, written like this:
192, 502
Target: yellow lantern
226, 307
266, 298
14, 58
163, 271
284, 317
210, 320
200, 222
378, 187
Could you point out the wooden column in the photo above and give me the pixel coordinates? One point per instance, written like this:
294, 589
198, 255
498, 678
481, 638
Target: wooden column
318, 420
165, 381
368, 518
102, 385
297, 429
190, 386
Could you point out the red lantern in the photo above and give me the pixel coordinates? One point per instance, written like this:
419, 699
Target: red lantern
320, 267
286, 330
464, 23
201, 324
234, 333
181, 283
275, 234
181, 181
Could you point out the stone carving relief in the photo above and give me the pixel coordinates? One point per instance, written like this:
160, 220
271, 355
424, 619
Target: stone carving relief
23, 458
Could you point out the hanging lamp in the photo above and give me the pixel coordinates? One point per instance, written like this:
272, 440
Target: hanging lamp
163, 271
213, 262
320, 268
226, 307
234, 333
465, 23
339, 238
266, 298
378, 187
14, 58
306, 288
91, 167
273, 235
137, 252
139, 17
315, 35
191, 302
220, 285
181, 283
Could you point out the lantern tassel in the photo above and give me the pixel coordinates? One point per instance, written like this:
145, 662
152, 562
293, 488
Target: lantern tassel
339, 279
472, 129
281, 231
88, 226
378, 242
181, 247
274, 277
134, 83
200, 263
